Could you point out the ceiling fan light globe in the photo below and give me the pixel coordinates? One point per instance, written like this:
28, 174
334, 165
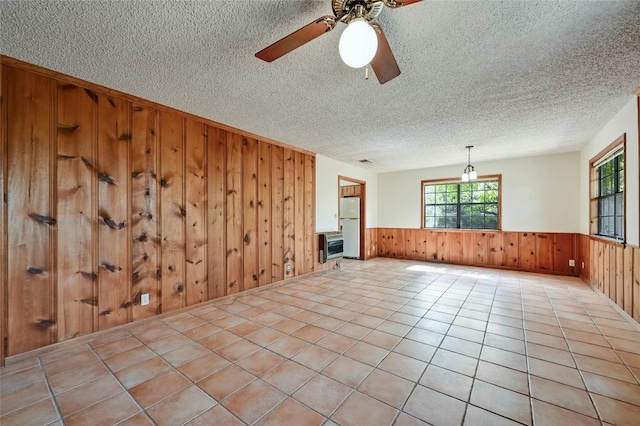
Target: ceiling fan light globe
465, 177
473, 175
358, 44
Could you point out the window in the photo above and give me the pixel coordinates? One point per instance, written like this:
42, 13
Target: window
469, 205
607, 192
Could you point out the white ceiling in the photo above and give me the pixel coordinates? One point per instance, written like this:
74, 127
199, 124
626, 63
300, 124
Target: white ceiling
512, 78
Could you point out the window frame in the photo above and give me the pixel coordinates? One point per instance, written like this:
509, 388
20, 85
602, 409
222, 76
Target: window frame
607, 154
447, 181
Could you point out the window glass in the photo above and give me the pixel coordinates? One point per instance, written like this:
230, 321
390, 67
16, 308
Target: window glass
462, 205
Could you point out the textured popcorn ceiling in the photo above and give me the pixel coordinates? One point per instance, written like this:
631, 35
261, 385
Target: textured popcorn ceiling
512, 78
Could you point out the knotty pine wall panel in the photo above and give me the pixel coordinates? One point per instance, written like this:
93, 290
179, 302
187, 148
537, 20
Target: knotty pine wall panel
264, 214
172, 212
110, 197
31, 274
277, 214
235, 272
195, 202
217, 215
250, 213
112, 167
310, 249
76, 193
145, 232
288, 209
298, 198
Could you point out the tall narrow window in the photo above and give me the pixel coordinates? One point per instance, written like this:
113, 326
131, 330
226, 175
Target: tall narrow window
607, 192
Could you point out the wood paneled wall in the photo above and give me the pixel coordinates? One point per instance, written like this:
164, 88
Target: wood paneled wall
613, 269
108, 197
527, 251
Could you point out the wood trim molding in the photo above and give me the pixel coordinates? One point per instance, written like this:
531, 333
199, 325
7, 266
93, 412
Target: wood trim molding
134, 99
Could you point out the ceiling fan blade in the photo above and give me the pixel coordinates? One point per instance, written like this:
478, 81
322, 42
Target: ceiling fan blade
297, 39
408, 2
384, 63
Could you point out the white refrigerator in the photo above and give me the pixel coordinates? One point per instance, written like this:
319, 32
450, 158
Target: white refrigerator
350, 222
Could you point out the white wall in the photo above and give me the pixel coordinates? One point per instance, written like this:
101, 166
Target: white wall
327, 172
626, 121
539, 194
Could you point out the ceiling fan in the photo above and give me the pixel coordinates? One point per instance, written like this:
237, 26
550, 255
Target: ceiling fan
363, 42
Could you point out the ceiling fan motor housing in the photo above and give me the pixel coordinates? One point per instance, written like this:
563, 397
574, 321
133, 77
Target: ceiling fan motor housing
342, 9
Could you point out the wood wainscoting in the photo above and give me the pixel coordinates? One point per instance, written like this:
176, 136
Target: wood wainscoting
614, 269
525, 251
108, 197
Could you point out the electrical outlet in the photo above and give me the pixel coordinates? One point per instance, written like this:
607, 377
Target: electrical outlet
144, 299
572, 262
288, 268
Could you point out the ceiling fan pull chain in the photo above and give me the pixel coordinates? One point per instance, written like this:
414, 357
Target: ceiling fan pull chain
366, 72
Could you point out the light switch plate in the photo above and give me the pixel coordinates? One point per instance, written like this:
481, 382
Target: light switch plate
144, 299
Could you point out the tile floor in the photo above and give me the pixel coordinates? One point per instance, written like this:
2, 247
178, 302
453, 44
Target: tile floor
380, 342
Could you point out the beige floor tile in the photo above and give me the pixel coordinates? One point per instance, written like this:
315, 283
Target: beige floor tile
107, 412
78, 376
291, 412
69, 362
347, 371
181, 407
369, 354
143, 371
204, 366
128, 358
612, 388
555, 372
23, 397
617, 412
288, 376
336, 342
434, 407
565, 396
260, 362
501, 401
315, 357
225, 382
386, 387
447, 382
403, 366
455, 362
158, 388
382, 339
548, 414
88, 394
40, 413
288, 346
19, 379
501, 376
476, 416
322, 394
253, 401
218, 416
360, 409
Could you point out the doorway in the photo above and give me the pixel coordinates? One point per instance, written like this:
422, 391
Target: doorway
352, 196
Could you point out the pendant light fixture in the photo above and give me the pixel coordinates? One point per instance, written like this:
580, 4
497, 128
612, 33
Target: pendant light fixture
469, 172
359, 42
